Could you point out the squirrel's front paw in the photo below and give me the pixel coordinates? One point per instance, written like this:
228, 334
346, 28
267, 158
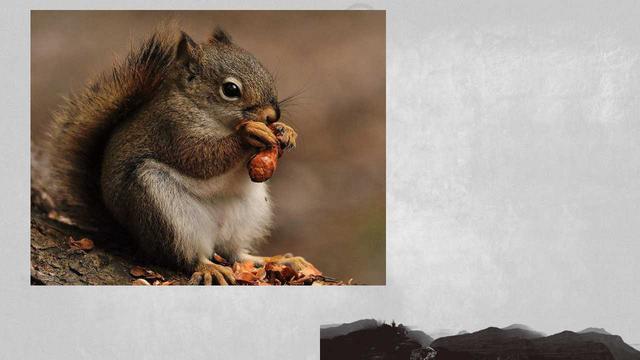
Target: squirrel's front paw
257, 134
285, 134
206, 272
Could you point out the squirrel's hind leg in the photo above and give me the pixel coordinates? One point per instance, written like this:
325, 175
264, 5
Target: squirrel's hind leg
167, 216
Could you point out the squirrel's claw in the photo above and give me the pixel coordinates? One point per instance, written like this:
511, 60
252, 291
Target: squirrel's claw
297, 263
285, 135
206, 273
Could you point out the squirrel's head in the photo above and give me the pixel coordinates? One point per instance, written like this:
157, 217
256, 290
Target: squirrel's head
225, 80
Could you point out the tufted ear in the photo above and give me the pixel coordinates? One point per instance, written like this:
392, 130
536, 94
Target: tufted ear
187, 51
220, 36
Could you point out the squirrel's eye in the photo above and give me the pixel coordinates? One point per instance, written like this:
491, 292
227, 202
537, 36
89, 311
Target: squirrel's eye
231, 90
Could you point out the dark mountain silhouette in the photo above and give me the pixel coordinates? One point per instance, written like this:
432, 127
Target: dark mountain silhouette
388, 342
419, 336
532, 332
514, 342
344, 329
489, 343
594, 330
518, 342
613, 343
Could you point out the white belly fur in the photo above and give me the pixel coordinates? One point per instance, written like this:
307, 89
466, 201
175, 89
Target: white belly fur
227, 214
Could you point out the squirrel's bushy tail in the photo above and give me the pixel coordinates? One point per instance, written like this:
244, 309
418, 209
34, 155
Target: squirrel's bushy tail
83, 124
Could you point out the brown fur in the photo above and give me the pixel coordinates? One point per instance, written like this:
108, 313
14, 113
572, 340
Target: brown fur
163, 104
81, 127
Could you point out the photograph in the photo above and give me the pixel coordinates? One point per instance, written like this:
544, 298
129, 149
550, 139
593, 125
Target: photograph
193, 147
375, 339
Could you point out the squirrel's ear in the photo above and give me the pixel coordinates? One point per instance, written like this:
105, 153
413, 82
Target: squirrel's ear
220, 36
187, 49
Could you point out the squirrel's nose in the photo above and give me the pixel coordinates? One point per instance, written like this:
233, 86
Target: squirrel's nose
269, 114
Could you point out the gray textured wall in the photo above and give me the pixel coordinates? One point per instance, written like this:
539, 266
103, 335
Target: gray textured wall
512, 196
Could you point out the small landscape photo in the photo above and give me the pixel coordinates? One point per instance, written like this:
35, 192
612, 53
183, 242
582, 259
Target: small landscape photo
378, 339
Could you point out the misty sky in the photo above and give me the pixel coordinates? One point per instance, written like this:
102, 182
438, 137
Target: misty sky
514, 195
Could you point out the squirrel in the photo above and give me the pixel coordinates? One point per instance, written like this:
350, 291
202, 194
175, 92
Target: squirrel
159, 144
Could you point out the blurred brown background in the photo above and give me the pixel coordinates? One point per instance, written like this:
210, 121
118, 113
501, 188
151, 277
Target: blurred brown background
330, 191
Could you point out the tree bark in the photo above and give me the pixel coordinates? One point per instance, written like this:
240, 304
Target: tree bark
55, 262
